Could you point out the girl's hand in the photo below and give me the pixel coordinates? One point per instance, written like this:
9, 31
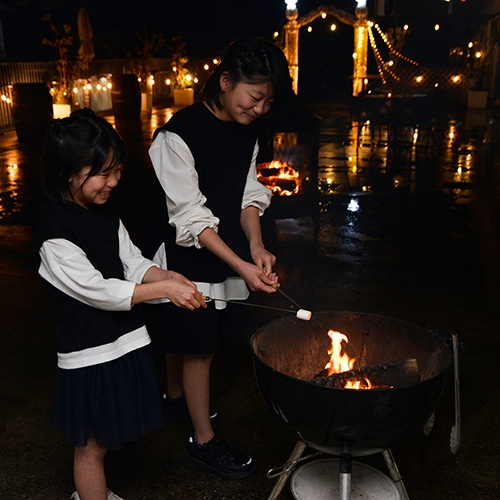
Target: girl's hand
263, 258
183, 293
256, 279
162, 284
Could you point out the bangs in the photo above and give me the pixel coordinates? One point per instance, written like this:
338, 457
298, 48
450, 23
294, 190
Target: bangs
107, 154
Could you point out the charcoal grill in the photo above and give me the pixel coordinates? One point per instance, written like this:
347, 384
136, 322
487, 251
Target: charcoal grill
288, 353
293, 138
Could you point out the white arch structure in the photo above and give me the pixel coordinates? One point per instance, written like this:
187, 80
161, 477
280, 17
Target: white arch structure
360, 23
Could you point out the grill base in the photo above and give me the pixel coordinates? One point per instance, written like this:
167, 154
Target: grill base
320, 480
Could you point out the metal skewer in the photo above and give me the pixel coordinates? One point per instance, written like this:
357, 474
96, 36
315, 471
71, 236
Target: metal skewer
277, 287
301, 313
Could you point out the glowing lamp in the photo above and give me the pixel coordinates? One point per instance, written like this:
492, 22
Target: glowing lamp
291, 4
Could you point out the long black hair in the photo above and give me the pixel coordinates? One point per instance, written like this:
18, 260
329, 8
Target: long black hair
251, 60
81, 140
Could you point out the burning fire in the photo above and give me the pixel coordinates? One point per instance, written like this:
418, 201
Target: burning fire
341, 362
280, 177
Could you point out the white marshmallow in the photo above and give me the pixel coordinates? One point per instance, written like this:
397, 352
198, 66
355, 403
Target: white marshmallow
304, 314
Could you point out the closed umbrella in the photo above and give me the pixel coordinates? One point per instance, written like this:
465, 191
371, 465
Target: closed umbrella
85, 34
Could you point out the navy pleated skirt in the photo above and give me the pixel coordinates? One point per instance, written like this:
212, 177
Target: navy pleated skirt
179, 331
114, 402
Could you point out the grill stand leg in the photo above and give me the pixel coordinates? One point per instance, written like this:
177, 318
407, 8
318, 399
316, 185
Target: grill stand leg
345, 468
288, 469
394, 473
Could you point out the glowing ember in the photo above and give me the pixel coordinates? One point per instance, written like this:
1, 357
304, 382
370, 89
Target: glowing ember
341, 362
280, 177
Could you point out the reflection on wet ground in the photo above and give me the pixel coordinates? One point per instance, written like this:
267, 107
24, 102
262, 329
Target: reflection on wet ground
455, 158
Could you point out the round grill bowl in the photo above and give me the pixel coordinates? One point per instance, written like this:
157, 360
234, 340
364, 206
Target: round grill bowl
288, 353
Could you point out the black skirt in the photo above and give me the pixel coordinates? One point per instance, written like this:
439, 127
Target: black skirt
114, 402
179, 331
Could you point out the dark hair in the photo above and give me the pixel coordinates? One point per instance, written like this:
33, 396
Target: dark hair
251, 60
81, 140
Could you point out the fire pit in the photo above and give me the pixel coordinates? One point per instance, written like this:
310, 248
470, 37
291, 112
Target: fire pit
288, 163
289, 354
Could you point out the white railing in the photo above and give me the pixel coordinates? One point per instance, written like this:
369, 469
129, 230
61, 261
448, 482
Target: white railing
95, 97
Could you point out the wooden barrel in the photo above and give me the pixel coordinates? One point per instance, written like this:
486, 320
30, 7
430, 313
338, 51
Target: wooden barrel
31, 111
126, 96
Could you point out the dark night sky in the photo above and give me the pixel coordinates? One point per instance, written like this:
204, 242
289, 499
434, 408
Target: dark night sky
207, 26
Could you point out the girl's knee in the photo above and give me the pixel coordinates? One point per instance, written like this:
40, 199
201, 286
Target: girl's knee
91, 450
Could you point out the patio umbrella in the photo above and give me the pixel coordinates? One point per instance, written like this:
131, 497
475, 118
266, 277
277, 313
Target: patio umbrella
85, 34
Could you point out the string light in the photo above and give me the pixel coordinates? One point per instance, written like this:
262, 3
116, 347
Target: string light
380, 62
382, 66
391, 48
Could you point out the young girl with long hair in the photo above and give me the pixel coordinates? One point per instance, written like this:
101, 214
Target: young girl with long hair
205, 223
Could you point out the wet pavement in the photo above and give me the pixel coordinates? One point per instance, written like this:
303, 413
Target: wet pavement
407, 231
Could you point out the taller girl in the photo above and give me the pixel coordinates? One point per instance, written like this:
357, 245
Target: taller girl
205, 223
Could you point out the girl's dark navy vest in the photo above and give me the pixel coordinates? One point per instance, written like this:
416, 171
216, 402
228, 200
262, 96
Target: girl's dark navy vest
222, 154
95, 231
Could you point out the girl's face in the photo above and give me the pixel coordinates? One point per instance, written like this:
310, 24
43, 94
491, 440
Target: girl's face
96, 188
243, 102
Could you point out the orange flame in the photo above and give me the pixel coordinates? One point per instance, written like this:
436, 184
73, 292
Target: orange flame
341, 362
280, 177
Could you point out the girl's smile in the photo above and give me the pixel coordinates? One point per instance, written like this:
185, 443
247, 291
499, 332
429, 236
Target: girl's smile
96, 188
243, 102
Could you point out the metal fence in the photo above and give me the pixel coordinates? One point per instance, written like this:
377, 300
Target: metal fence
92, 91
11, 73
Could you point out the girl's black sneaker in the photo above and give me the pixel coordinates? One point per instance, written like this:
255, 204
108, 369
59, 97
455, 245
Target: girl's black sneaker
219, 458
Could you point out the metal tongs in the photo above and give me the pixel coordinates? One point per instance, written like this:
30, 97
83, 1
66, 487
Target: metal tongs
455, 430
